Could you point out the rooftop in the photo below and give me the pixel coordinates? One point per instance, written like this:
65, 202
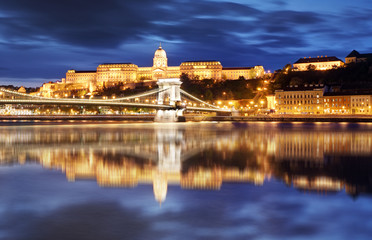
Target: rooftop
318, 59
87, 71
200, 61
356, 54
236, 68
306, 87
116, 63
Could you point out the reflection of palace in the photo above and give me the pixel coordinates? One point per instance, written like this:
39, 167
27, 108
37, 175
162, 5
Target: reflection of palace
198, 159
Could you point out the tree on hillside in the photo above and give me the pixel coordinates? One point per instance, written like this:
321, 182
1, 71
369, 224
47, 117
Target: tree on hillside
311, 67
296, 81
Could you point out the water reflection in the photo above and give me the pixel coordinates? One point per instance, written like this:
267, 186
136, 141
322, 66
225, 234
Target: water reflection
309, 157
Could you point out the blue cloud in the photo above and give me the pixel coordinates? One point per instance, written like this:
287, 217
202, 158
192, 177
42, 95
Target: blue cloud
223, 30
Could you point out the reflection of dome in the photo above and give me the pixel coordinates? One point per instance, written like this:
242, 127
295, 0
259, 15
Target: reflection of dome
160, 186
160, 53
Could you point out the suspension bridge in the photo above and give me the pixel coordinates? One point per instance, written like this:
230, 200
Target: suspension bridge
169, 100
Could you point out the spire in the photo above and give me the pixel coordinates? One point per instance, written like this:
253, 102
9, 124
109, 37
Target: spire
159, 44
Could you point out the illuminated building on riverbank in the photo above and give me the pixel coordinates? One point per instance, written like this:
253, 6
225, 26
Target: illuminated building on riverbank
334, 103
306, 99
314, 99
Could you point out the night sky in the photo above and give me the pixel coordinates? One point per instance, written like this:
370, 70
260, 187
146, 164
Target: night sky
41, 39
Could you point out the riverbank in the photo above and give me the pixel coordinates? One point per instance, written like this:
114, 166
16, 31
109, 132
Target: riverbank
293, 118
194, 118
144, 117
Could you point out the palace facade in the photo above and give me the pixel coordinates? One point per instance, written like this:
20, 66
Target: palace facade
318, 63
109, 74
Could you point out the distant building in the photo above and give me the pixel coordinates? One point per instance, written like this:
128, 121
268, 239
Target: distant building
307, 99
318, 63
356, 57
337, 103
315, 99
271, 102
361, 104
22, 89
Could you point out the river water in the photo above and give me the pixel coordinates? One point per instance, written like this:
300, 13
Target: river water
185, 181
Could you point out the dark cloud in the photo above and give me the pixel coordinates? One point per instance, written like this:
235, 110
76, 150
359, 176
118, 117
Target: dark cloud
87, 221
234, 33
279, 3
110, 24
280, 41
109, 220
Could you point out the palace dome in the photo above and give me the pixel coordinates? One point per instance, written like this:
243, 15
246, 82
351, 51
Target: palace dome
160, 53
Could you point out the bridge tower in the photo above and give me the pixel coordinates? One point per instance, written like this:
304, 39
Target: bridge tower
171, 87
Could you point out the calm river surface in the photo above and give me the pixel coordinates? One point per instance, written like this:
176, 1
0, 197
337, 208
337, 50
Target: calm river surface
186, 181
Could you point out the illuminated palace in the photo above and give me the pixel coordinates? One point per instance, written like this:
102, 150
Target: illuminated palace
129, 74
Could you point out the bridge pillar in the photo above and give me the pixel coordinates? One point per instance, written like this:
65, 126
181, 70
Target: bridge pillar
173, 87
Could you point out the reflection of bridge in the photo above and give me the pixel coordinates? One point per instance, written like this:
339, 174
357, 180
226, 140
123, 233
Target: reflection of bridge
168, 96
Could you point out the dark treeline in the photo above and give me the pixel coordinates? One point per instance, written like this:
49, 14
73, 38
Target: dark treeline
120, 90
353, 76
15, 88
209, 89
